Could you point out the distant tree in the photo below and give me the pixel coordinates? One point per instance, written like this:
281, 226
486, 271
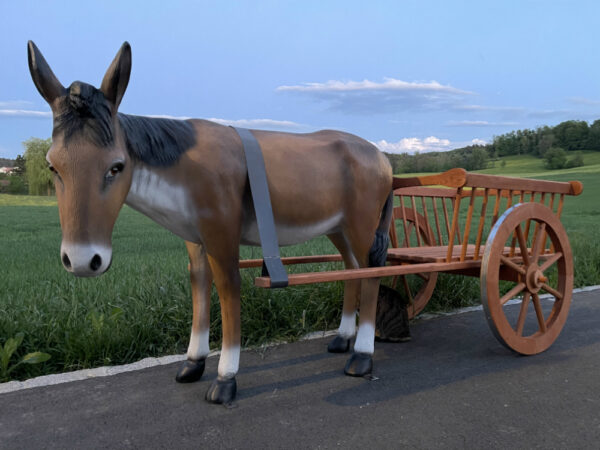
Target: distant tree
556, 158
17, 185
575, 161
19, 167
38, 176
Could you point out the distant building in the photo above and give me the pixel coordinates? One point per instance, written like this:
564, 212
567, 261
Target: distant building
7, 169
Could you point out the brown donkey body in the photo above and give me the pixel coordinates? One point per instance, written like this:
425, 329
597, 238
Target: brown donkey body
191, 178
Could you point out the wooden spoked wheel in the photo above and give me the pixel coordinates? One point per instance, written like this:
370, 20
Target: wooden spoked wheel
533, 269
419, 287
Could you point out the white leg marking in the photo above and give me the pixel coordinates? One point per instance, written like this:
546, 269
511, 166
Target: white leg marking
198, 348
365, 339
229, 362
347, 325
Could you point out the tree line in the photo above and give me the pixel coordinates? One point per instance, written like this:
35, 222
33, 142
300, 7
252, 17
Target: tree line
558, 146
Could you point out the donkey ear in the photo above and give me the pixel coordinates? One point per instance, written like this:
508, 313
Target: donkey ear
44, 79
117, 76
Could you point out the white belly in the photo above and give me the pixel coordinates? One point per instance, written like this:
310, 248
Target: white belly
290, 234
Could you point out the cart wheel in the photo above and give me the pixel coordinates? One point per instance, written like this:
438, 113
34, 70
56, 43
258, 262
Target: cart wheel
532, 270
419, 287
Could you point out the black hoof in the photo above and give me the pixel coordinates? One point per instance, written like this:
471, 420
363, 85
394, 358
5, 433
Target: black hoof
338, 345
359, 365
190, 371
222, 391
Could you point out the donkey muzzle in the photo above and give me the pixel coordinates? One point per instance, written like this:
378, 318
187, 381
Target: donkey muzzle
85, 260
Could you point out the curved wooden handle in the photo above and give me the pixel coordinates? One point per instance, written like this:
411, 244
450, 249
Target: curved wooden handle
453, 178
576, 187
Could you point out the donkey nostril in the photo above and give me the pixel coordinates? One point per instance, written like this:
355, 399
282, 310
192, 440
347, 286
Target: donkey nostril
66, 261
96, 262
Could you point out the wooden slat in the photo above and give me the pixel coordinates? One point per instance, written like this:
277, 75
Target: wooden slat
502, 182
437, 220
427, 226
446, 219
468, 225
481, 223
403, 210
417, 228
496, 208
454, 226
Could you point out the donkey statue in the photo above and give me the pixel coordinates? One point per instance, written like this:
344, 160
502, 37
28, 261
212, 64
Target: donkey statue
191, 177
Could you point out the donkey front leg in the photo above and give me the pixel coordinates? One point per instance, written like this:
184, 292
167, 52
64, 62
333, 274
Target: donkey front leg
201, 278
227, 280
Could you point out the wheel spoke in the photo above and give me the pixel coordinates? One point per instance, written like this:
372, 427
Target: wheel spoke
523, 313
537, 245
407, 289
550, 261
514, 266
523, 245
552, 291
510, 294
424, 277
538, 312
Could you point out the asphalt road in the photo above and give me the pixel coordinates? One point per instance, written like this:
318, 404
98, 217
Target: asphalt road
453, 386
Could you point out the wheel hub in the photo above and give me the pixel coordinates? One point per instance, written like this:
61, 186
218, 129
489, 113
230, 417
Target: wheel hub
534, 278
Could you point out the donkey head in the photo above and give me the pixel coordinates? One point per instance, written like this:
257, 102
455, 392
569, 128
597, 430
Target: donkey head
88, 156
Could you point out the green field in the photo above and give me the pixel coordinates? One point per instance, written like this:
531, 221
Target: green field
142, 306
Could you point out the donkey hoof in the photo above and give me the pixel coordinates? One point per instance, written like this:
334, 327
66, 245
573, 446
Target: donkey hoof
338, 345
190, 371
359, 365
222, 391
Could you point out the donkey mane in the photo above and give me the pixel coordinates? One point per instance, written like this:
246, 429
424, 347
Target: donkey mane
85, 112
157, 141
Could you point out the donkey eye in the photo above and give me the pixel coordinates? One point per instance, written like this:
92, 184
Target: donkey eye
114, 170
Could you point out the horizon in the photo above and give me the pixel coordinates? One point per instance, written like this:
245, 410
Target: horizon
412, 76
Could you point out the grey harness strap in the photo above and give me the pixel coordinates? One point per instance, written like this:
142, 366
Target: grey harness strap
272, 265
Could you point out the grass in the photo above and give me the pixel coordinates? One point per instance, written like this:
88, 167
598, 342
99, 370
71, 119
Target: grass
142, 306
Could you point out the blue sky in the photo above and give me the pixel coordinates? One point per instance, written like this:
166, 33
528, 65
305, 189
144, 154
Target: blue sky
406, 75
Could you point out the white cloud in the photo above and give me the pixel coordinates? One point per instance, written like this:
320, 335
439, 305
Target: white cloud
244, 123
391, 95
479, 123
259, 123
412, 145
389, 84
477, 141
583, 101
16, 104
484, 108
24, 113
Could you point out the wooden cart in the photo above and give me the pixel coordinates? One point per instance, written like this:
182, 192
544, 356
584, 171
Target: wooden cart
505, 230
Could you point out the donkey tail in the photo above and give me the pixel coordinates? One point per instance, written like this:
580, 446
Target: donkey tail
378, 251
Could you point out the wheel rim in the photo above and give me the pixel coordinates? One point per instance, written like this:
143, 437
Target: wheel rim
419, 287
536, 326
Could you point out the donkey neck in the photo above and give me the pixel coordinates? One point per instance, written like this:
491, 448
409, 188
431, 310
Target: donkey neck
160, 197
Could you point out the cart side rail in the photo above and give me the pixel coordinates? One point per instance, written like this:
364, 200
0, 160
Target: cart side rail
451, 222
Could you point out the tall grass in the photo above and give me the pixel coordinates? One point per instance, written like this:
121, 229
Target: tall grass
142, 305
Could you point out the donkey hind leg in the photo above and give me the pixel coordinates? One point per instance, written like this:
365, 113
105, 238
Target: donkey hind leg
201, 279
347, 329
227, 280
372, 254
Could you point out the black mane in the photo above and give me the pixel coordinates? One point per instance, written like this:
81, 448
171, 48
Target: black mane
86, 113
157, 141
